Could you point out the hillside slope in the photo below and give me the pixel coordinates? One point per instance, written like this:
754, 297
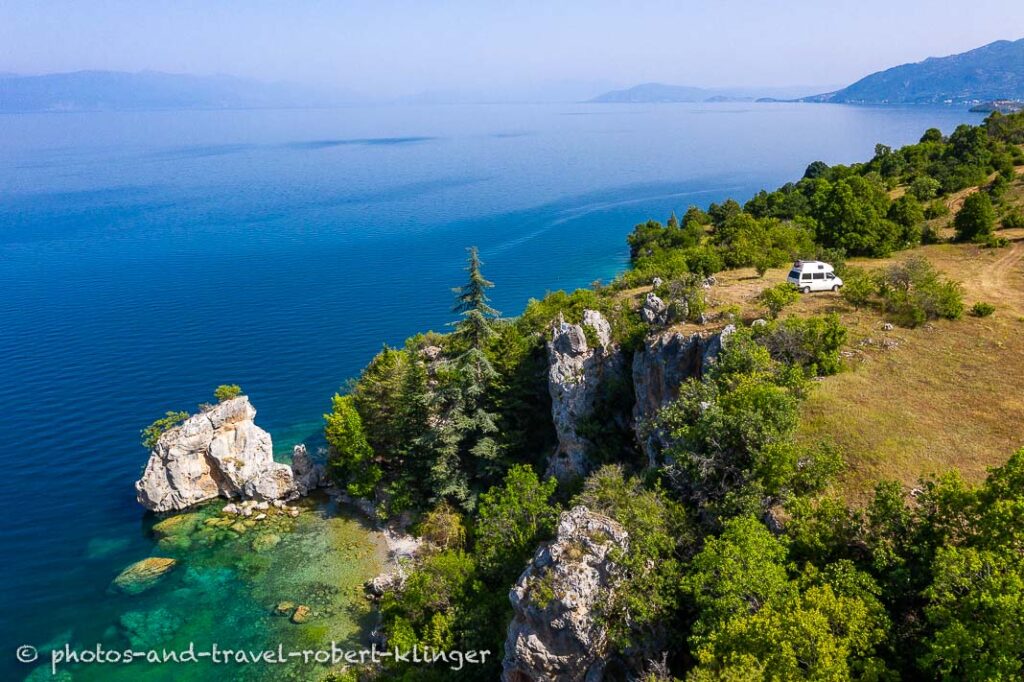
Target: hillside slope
991, 72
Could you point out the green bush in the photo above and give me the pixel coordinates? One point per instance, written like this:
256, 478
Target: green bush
812, 343
913, 292
775, 298
976, 219
227, 392
151, 434
936, 209
1013, 218
982, 309
858, 287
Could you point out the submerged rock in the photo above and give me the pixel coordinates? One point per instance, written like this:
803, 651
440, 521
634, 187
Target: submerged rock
179, 524
576, 371
144, 574
217, 453
149, 629
560, 639
301, 614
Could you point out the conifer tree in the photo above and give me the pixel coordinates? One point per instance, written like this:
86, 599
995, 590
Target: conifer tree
472, 303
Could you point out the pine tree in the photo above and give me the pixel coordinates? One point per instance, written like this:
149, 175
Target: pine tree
473, 304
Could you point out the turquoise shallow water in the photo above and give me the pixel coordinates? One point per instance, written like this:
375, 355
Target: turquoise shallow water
147, 257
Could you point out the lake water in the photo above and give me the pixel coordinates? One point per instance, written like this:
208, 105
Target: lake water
147, 257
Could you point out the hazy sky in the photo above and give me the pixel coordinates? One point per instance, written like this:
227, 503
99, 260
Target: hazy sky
387, 47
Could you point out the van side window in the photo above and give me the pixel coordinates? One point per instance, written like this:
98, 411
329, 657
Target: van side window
830, 275
819, 275
806, 275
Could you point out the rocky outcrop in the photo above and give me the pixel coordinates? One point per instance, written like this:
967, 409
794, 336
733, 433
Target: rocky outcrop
659, 368
219, 452
654, 311
559, 638
576, 369
308, 473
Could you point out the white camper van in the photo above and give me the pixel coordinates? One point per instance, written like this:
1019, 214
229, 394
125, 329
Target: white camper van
813, 275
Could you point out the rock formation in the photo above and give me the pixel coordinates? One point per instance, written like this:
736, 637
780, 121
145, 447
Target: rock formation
659, 369
143, 575
575, 373
218, 452
309, 474
560, 639
654, 310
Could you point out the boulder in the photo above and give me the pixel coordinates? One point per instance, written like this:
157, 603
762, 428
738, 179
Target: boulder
144, 574
562, 639
301, 614
219, 452
654, 310
575, 373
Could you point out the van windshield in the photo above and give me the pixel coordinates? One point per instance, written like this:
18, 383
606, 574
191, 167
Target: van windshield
794, 274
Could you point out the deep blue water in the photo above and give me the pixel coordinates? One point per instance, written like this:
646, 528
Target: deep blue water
147, 257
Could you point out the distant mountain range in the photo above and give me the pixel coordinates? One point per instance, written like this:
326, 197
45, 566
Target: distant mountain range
104, 90
648, 93
992, 72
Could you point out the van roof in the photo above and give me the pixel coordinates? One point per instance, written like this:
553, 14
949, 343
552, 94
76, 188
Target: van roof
800, 264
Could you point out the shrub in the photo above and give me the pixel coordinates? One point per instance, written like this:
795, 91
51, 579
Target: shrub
1013, 218
775, 298
227, 392
976, 219
982, 309
858, 287
151, 434
812, 343
443, 528
924, 188
936, 209
913, 292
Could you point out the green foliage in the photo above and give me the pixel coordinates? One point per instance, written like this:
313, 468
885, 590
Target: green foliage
227, 392
1013, 218
443, 528
982, 309
812, 343
976, 219
913, 292
924, 188
858, 287
641, 606
471, 302
754, 619
976, 613
151, 434
936, 209
351, 460
511, 520
909, 215
777, 297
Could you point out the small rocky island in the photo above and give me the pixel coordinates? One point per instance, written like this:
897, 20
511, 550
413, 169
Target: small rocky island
220, 452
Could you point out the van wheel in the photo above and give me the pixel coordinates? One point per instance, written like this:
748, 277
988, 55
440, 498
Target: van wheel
835, 287
805, 290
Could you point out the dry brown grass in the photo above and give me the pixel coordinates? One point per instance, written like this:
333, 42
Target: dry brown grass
914, 402
920, 401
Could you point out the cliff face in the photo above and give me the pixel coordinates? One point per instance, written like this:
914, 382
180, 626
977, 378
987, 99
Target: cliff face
659, 368
217, 453
576, 370
553, 634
